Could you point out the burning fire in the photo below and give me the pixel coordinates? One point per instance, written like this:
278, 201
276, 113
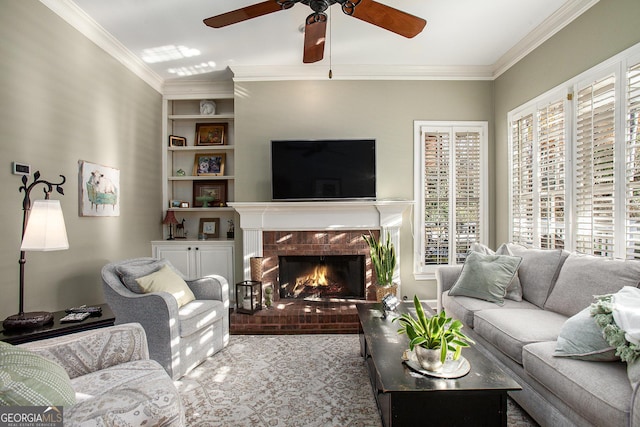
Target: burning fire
317, 278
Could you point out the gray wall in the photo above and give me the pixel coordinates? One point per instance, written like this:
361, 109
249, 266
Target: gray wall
606, 29
384, 110
63, 99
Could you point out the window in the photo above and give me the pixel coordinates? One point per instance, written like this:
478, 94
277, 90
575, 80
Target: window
450, 211
538, 176
594, 164
591, 129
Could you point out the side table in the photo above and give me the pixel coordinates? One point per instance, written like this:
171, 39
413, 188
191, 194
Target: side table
56, 329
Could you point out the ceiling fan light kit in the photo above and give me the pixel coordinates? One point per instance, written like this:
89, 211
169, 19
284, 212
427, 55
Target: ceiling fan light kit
370, 11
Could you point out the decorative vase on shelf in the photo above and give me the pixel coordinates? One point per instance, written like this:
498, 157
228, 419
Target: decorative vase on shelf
207, 107
205, 200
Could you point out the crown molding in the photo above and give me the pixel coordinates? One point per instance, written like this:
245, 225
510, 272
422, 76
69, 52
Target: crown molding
243, 73
77, 18
543, 32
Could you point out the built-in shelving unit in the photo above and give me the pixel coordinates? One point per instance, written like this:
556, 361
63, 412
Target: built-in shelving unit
181, 113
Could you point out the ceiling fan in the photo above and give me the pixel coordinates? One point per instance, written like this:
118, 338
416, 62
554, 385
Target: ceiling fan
370, 11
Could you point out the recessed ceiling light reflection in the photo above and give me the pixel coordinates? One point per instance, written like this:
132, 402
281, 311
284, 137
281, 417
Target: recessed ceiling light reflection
167, 53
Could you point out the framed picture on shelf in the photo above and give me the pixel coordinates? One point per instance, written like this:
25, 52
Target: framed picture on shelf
184, 204
174, 204
210, 227
211, 133
209, 194
208, 164
177, 141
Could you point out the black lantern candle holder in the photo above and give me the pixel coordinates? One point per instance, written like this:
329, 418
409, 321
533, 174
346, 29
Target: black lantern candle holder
248, 296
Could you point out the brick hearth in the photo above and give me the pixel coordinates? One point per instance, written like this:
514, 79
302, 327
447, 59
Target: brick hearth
299, 317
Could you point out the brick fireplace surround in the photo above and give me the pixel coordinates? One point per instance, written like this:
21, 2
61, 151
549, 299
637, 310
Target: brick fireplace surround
272, 229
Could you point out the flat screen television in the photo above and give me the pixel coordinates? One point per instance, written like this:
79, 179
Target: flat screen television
323, 169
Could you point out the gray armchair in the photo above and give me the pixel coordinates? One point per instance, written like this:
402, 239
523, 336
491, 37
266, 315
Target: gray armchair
179, 338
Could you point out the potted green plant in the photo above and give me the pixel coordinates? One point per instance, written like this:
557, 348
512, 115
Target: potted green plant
432, 337
383, 259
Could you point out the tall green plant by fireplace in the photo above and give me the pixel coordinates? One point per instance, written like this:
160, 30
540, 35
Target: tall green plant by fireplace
383, 258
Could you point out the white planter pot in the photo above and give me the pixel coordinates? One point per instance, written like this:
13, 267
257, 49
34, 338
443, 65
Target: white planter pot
429, 359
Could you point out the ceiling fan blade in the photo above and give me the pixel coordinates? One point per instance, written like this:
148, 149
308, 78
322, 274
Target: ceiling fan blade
249, 12
386, 17
315, 33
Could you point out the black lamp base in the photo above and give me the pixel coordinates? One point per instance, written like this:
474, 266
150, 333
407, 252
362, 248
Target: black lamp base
23, 321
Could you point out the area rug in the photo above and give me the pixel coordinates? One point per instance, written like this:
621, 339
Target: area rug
287, 381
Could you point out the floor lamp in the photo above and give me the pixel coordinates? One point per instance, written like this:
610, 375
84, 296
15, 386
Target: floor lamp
43, 229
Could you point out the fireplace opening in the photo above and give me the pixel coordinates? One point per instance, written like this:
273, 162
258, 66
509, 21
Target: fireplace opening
322, 276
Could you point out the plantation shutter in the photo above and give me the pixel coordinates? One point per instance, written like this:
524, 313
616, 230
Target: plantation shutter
551, 176
632, 163
522, 197
467, 191
595, 186
437, 146
452, 193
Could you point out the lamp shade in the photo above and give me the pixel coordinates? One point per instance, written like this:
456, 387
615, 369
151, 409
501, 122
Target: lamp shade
45, 228
170, 219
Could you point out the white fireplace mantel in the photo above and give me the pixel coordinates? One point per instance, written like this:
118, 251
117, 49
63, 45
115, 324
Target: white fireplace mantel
256, 217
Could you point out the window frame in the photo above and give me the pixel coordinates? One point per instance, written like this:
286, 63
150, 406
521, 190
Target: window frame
421, 270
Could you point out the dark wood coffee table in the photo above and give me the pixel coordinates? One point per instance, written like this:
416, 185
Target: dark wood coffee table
406, 398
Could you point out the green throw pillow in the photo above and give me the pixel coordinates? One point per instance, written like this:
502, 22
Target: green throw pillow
28, 379
166, 280
581, 338
486, 277
514, 290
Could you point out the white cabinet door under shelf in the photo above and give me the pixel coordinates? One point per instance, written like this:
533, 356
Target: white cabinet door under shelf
196, 258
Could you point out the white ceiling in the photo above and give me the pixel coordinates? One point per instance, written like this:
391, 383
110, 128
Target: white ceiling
463, 38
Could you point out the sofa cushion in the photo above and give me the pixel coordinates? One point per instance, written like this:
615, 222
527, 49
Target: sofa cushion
538, 271
28, 379
583, 276
511, 329
166, 280
133, 393
198, 314
463, 308
486, 276
131, 271
581, 338
599, 391
514, 290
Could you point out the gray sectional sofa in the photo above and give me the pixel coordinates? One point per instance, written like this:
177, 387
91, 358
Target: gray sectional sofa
522, 336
